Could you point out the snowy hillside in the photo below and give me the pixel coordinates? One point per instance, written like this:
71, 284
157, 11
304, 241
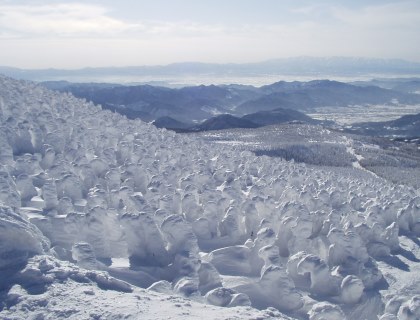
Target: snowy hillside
107, 218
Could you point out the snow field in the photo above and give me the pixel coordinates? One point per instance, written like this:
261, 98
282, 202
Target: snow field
82, 187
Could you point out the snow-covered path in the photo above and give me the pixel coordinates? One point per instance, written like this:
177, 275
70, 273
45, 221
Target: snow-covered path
356, 164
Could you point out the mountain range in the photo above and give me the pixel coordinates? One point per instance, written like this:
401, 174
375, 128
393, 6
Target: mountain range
193, 105
228, 121
409, 85
312, 66
321, 93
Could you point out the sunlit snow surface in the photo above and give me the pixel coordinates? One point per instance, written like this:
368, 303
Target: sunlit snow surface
97, 208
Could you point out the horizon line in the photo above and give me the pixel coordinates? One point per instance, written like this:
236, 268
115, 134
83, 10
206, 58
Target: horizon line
214, 63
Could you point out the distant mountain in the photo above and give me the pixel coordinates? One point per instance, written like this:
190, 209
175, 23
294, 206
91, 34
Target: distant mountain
129, 113
170, 123
224, 121
282, 86
341, 66
63, 85
151, 102
407, 121
406, 126
255, 120
319, 93
408, 85
312, 66
199, 103
265, 118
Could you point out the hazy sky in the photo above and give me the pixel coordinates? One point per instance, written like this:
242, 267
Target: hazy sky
73, 34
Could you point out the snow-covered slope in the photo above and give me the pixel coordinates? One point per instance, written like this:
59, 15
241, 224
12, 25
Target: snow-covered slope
97, 208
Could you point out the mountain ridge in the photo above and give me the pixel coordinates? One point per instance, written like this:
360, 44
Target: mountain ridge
195, 104
293, 66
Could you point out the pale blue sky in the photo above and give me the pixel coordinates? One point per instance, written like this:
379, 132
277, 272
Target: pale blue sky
73, 34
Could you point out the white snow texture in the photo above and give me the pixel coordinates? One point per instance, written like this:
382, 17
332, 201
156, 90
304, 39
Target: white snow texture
102, 217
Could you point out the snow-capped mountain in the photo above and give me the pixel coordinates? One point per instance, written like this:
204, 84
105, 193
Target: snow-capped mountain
105, 217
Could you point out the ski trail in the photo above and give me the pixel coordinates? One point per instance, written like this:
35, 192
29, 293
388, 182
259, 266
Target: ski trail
356, 164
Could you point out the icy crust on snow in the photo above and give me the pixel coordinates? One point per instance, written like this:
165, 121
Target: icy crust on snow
88, 186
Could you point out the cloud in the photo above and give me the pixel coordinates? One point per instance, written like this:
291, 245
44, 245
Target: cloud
79, 34
76, 20
66, 20
388, 30
404, 14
